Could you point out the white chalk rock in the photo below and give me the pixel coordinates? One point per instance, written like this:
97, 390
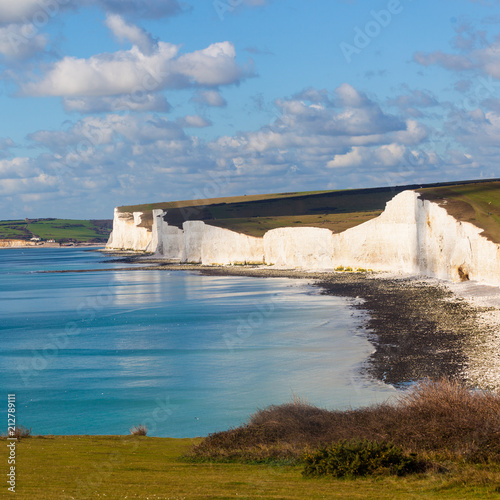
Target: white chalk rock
411, 236
225, 247
386, 243
127, 235
193, 237
168, 241
210, 245
419, 237
307, 247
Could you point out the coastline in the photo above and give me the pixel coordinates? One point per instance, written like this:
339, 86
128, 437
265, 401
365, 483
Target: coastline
419, 327
97, 246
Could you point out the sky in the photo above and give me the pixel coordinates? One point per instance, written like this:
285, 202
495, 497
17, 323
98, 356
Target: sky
117, 102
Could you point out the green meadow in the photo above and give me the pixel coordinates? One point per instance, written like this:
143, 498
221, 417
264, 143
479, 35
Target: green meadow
60, 230
116, 467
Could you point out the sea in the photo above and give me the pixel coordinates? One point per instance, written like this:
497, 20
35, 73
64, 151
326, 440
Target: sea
99, 350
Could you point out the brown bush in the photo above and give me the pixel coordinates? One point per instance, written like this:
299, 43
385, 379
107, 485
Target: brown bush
441, 418
139, 430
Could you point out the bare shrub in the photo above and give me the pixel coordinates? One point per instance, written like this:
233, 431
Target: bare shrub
441, 418
139, 430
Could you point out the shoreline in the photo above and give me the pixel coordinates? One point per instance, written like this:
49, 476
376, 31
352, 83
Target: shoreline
97, 246
419, 327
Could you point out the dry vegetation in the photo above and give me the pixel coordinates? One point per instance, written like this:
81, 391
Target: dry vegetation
139, 430
438, 420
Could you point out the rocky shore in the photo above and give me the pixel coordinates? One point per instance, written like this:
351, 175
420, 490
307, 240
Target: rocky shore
419, 327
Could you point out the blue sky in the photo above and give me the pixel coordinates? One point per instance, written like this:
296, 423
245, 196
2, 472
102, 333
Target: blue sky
114, 102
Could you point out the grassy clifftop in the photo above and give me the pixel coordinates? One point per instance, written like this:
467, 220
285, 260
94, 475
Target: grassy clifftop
60, 230
478, 204
473, 201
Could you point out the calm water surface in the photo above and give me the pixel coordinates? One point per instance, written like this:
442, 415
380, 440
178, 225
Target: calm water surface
97, 352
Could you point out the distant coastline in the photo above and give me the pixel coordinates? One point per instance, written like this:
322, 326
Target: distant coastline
18, 244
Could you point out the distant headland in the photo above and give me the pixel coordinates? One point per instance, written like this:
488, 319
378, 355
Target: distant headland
53, 232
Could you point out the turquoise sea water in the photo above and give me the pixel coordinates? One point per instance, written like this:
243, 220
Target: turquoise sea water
185, 354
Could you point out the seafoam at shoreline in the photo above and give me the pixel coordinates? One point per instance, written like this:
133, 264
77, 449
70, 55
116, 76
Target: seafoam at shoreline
420, 326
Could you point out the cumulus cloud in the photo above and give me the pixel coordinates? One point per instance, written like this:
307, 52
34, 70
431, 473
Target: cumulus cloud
476, 129
93, 132
132, 71
138, 102
193, 121
209, 98
331, 139
21, 41
475, 53
415, 103
388, 156
19, 10
318, 129
17, 168
5, 145
135, 35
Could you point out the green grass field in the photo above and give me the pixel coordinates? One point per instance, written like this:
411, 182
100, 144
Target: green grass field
475, 201
115, 467
61, 230
478, 204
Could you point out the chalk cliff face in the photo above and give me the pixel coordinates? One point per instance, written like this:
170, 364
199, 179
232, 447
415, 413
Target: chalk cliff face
419, 237
127, 235
308, 247
410, 236
222, 246
167, 241
16, 243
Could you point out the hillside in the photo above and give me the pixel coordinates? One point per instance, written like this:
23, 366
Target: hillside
477, 203
60, 230
473, 201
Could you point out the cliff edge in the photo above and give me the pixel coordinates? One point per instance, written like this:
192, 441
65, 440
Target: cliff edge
412, 235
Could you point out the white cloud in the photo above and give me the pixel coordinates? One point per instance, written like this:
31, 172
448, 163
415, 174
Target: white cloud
131, 71
19, 10
333, 140
20, 41
209, 98
38, 184
137, 102
386, 156
17, 168
135, 35
194, 121
476, 53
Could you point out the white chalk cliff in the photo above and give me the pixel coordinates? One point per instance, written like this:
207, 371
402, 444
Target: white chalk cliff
127, 234
410, 236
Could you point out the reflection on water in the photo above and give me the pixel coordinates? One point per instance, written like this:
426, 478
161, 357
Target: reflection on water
215, 348
139, 287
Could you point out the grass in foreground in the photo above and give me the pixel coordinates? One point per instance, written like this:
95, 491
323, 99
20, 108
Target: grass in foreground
458, 429
115, 467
